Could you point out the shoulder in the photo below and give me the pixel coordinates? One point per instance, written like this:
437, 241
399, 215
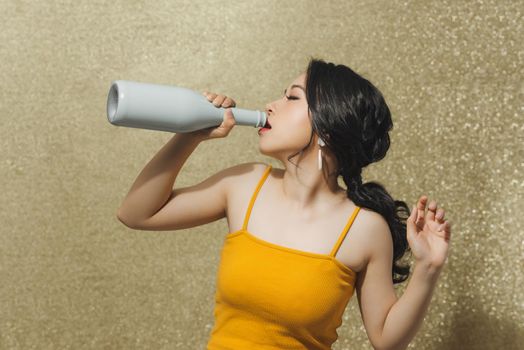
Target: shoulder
242, 176
374, 233
245, 171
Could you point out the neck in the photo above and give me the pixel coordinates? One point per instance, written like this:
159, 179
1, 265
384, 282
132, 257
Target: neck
309, 189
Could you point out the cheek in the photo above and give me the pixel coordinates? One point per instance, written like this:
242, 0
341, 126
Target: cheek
301, 124
297, 127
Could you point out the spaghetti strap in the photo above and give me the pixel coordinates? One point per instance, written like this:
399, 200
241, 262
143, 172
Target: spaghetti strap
344, 232
254, 196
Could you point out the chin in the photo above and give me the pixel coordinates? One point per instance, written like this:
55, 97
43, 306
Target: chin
263, 150
267, 151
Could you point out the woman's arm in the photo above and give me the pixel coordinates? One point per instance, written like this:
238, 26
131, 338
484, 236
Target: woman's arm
407, 314
153, 186
391, 323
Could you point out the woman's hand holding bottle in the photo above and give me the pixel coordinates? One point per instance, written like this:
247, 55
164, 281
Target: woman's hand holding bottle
228, 120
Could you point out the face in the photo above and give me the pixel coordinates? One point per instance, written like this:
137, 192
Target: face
290, 125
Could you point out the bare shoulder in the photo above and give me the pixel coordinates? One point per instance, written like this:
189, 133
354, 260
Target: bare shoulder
373, 232
241, 176
244, 171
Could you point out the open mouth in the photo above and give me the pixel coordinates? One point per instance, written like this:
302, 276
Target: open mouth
267, 125
265, 128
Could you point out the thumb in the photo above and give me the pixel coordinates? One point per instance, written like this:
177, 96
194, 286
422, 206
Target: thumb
411, 227
229, 118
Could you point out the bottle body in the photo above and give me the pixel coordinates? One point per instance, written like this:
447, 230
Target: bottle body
169, 108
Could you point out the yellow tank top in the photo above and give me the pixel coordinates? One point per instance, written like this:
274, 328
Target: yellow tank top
274, 297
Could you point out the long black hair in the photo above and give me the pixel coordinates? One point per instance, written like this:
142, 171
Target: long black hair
350, 114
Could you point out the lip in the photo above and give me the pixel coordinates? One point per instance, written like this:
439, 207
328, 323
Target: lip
263, 130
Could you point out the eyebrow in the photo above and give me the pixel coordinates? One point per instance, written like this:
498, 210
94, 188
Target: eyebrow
295, 85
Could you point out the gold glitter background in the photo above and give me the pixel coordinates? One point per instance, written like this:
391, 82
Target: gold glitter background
73, 277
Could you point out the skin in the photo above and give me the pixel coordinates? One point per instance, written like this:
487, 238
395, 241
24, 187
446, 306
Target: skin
309, 194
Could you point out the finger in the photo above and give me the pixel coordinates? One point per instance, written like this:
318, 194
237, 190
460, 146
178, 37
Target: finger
412, 215
411, 227
445, 226
432, 208
421, 210
228, 102
210, 96
445, 230
415, 214
218, 100
227, 124
440, 215
229, 118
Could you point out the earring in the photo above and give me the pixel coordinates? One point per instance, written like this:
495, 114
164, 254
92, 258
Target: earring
321, 143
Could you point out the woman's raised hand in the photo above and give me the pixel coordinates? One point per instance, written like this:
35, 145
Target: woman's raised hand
228, 120
428, 233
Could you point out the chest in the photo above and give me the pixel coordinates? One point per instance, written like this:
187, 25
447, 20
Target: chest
272, 220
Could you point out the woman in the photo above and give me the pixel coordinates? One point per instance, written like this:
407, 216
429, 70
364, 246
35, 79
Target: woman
299, 244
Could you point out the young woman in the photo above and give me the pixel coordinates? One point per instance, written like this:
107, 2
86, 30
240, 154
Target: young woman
298, 243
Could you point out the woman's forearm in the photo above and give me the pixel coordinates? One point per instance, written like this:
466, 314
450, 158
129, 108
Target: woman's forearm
406, 316
154, 184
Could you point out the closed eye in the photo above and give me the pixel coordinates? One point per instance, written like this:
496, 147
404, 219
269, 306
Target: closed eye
290, 97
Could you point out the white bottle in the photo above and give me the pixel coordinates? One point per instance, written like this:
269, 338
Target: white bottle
169, 108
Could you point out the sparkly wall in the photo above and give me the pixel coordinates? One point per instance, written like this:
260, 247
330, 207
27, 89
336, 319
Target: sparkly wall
74, 277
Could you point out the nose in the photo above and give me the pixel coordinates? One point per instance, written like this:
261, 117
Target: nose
268, 108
